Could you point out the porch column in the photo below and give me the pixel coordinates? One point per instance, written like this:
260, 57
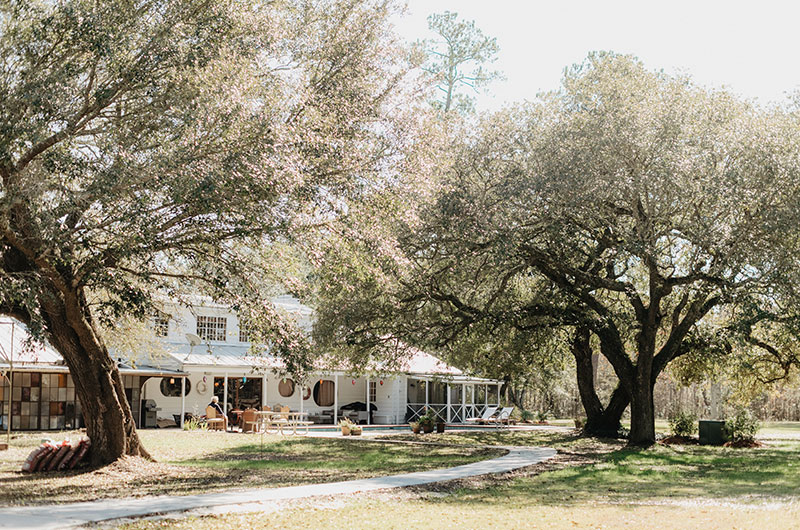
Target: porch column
427, 390
463, 402
263, 391
498, 395
336, 399
485, 396
368, 411
225, 396
474, 409
448, 403
183, 399
302, 387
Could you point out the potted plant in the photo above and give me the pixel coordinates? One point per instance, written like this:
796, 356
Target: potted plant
426, 422
355, 430
346, 426
414, 427
440, 426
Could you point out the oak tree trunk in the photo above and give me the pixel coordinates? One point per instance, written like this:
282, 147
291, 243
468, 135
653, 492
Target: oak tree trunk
106, 411
643, 428
600, 420
607, 423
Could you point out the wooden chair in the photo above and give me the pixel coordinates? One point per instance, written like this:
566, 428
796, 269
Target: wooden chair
249, 420
214, 420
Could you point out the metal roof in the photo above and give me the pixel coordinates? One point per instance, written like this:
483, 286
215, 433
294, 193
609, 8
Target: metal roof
181, 357
29, 356
22, 351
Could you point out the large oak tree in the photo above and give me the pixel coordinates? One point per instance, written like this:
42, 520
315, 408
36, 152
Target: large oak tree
632, 210
146, 140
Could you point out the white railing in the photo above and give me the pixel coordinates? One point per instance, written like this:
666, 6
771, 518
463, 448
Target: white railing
458, 412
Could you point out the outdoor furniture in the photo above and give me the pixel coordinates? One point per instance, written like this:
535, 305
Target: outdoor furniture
269, 422
249, 420
323, 416
298, 423
503, 417
283, 422
235, 418
484, 418
213, 420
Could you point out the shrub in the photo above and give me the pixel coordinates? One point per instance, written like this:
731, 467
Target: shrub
683, 423
526, 415
429, 418
743, 426
541, 417
194, 424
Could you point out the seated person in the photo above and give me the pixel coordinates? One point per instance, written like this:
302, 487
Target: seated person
217, 407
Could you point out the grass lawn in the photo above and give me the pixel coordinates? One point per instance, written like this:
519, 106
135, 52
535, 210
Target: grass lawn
592, 484
199, 461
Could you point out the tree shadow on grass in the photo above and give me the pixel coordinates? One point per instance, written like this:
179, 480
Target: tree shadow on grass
635, 475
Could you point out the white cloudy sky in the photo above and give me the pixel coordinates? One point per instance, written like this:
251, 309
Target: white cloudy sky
752, 48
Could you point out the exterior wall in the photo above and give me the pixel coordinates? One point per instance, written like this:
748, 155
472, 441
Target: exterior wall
392, 396
170, 406
183, 320
349, 392
391, 400
47, 401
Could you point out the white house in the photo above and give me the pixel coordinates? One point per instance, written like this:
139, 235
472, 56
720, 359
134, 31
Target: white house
221, 364
207, 353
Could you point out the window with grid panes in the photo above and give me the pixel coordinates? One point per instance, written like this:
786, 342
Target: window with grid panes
211, 328
161, 324
373, 391
244, 331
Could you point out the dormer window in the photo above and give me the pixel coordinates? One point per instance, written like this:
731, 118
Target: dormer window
244, 331
212, 328
160, 324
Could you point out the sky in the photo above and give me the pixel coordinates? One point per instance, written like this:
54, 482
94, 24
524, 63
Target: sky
751, 48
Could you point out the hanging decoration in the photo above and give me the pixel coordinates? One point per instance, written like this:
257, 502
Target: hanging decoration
244, 379
354, 382
381, 382
204, 379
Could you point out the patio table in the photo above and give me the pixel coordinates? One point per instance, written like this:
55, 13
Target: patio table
269, 420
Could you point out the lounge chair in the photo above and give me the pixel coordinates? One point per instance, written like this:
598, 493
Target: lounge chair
213, 420
484, 418
503, 417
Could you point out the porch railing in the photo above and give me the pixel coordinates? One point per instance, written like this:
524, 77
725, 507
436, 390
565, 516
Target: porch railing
458, 412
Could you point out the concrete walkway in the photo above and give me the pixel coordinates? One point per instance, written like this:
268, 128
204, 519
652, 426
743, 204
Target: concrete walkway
76, 514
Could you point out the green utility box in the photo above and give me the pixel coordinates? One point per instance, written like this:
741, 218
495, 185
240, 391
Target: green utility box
712, 432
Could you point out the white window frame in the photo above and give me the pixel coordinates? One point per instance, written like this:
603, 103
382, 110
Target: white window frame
244, 331
161, 324
212, 328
